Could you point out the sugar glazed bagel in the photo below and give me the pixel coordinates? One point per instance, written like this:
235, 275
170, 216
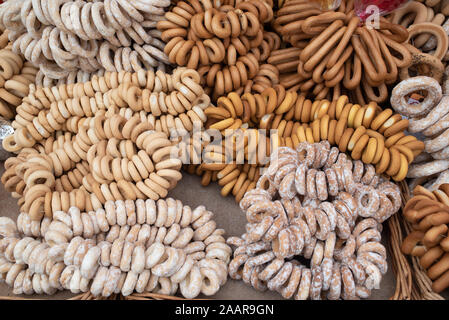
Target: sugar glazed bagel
324, 208
226, 43
337, 52
428, 213
129, 246
71, 40
427, 116
83, 144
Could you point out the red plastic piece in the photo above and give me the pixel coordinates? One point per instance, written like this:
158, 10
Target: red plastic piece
385, 6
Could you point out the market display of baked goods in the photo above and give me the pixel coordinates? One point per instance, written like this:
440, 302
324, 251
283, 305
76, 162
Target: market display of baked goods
428, 213
316, 203
327, 123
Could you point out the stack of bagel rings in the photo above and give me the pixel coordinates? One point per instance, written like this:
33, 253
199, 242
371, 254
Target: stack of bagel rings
15, 77
129, 246
337, 53
416, 13
428, 213
439, 6
311, 114
226, 42
71, 40
300, 208
428, 39
83, 144
367, 133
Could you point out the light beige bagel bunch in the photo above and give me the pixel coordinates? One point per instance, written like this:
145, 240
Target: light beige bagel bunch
315, 203
129, 246
107, 139
15, 77
70, 40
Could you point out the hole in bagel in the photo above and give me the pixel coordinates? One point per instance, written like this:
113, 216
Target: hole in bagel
390, 197
158, 287
40, 181
11, 143
422, 67
395, 53
265, 184
416, 97
302, 155
364, 200
303, 261
340, 244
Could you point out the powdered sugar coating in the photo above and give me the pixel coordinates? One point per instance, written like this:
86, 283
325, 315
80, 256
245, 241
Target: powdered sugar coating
325, 208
